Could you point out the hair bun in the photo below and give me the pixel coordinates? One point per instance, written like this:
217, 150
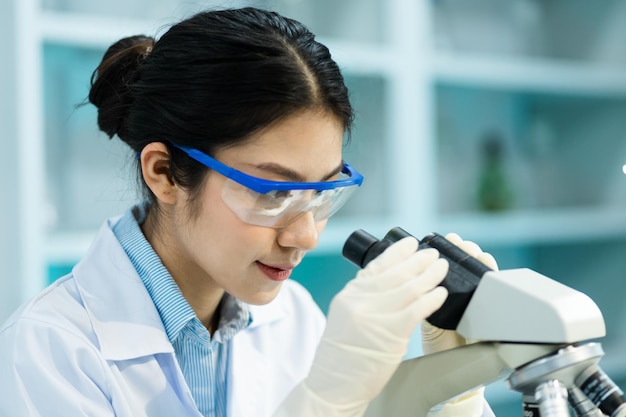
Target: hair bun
111, 81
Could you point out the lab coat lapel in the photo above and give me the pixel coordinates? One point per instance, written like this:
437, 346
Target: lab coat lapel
123, 314
249, 369
124, 317
246, 379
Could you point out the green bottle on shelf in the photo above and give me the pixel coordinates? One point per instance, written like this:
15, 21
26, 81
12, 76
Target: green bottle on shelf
494, 190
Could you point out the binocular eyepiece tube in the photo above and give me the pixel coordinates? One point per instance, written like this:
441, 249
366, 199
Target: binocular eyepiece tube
461, 281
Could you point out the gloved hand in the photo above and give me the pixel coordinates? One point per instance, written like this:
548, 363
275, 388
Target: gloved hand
435, 339
368, 330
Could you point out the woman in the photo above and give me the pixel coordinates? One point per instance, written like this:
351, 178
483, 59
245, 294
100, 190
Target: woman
182, 306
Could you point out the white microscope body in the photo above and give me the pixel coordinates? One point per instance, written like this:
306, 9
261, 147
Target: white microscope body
519, 317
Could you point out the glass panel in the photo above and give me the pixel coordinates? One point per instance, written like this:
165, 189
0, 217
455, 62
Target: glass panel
555, 151
367, 150
357, 20
354, 20
88, 176
170, 10
570, 29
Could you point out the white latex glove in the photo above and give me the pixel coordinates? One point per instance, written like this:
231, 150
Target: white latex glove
368, 330
435, 339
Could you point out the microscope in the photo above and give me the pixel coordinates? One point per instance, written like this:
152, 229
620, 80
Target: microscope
530, 330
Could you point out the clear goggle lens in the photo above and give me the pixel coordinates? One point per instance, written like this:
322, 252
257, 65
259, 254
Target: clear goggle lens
280, 208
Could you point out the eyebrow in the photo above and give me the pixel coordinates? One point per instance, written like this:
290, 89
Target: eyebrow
292, 175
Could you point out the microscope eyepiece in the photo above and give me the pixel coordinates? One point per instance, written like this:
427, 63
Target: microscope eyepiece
361, 247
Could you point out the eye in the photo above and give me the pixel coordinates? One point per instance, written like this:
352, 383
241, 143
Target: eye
276, 198
279, 195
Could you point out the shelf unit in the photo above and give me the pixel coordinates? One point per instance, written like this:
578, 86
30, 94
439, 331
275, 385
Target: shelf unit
404, 75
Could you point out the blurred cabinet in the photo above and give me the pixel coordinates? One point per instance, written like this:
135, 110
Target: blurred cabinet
542, 87
554, 101
439, 87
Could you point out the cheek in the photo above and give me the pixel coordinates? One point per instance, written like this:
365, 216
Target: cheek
223, 237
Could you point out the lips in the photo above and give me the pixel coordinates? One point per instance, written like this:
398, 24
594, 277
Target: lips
276, 273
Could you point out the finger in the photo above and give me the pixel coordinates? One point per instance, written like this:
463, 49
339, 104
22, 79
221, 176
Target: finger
402, 296
397, 274
428, 304
395, 253
470, 248
454, 238
400, 324
440, 339
488, 260
431, 276
467, 246
411, 267
429, 331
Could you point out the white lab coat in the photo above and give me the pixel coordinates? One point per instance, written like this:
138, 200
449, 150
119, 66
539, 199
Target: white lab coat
93, 344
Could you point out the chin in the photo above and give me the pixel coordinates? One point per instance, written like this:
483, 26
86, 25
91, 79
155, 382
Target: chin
262, 297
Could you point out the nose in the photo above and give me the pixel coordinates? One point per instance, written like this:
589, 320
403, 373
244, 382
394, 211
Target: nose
302, 234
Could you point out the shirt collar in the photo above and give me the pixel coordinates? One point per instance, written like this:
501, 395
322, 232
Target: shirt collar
175, 311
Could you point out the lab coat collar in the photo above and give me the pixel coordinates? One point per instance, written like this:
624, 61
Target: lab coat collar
247, 354
268, 313
123, 314
124, 317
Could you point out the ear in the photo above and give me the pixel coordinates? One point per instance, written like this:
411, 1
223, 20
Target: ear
155, 168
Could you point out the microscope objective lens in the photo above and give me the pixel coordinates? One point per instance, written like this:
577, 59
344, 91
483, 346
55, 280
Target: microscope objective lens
581, 404
529, 407
602, 391
552, 399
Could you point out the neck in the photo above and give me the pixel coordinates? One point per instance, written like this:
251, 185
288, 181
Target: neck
201, 292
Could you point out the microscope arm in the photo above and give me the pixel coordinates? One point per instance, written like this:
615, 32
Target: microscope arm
421, 383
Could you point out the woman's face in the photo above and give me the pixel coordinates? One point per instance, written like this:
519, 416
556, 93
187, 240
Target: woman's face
217, 249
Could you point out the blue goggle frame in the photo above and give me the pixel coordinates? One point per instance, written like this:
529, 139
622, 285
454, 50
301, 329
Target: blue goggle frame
263, 186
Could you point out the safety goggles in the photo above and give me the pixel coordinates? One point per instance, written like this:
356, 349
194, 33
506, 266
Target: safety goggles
278, 203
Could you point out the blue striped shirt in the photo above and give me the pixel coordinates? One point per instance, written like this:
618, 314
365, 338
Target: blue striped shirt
203, 359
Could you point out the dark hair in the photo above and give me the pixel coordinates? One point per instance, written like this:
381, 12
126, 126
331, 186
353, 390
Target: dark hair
212, 80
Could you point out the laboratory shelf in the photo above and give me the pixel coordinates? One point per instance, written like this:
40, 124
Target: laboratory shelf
530, 74
537, 226
86, 30
68, 247
92, 31
519, 228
